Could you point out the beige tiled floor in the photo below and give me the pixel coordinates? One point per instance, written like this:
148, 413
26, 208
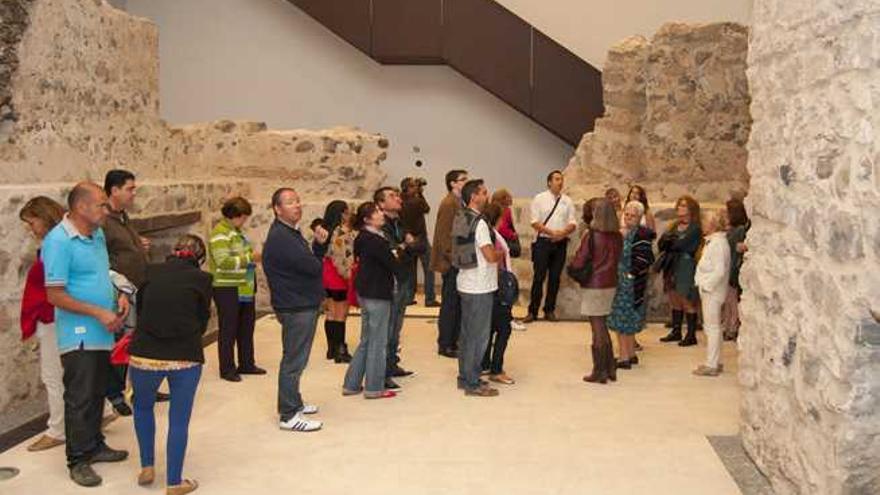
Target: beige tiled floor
551, 433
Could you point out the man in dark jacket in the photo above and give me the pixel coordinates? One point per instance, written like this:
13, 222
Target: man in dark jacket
388, 199
128, 255
294, 276
449, 321
415, 207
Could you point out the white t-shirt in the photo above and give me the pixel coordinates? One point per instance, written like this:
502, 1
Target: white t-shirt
563, 216
484, 277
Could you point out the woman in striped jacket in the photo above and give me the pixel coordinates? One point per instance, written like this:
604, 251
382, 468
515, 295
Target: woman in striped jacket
629, 308
233, 265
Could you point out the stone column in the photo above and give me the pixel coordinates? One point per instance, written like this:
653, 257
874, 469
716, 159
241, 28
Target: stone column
810, 342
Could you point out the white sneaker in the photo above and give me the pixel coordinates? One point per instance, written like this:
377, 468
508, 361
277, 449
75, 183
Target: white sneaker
309, 409
299, 423
518, 325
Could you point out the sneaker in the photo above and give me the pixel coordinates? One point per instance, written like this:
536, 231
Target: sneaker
518, 326
45, 442
398, 372
83, 475
299, 423
106, 454
481, 391
309, 409
703, 370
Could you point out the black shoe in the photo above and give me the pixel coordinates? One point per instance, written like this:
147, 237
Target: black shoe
624, 365
162, 397
432, 304
687, 342
448, 352
106, 454
235, 377
391, 384
342, 355
634, 360
83, 475
673, 336
550, 316
530, 318
398, 372
412, 303
256, 370
122, 408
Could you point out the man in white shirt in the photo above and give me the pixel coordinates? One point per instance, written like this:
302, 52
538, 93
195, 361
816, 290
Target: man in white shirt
477, 288
554, 219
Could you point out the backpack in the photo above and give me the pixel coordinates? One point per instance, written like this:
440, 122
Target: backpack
508, 288
464, 238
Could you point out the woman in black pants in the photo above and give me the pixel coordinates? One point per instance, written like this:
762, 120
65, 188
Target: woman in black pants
493, 360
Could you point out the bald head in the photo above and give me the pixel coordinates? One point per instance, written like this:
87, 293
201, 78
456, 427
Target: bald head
87, 203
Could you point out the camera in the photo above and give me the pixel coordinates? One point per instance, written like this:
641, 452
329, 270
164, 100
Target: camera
413, 183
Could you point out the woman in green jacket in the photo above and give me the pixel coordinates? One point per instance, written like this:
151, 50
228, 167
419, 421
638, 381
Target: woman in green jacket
679, 247
233, 265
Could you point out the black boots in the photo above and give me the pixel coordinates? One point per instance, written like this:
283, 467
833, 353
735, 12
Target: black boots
691, 337
674, 334
337, 350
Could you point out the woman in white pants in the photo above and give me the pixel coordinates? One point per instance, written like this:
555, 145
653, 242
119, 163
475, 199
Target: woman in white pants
41, 214
713, 273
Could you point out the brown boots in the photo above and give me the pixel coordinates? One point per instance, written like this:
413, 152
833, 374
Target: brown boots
604, 365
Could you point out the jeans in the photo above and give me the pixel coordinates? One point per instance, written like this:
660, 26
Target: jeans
425, 259
369, 358
85, 384
476, 325
52, 376
400, 300
297, 335
712, 302
236, 321
548, 258
183, 384
449, 321
493, 359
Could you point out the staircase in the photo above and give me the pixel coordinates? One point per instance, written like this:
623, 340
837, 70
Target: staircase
484, 42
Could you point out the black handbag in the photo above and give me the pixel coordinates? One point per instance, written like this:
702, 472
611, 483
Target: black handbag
515, 247
582, 274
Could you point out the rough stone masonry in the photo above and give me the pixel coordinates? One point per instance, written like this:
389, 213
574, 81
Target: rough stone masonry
810, 341
78, 96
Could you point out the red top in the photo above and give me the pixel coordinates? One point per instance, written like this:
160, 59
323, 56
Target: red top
331, 278
505, 228
35, 305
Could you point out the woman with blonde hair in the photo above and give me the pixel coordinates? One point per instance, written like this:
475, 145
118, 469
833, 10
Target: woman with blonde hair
629, 308
41, 214
712, 277
600, 249
679, 246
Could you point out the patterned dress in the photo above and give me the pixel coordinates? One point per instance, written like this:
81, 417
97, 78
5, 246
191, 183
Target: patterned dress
629, 309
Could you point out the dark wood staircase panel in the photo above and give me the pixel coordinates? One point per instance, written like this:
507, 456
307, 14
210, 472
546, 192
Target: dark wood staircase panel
566, 92
491, 46
349, 19
408, 32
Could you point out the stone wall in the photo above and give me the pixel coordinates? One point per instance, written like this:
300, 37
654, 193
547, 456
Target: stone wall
676, 116
78, 96
810, 341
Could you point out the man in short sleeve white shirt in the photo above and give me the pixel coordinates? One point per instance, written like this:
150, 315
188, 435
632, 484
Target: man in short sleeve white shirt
554, 219
477, 288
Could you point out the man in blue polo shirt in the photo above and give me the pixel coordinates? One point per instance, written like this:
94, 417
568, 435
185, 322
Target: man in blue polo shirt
86, 316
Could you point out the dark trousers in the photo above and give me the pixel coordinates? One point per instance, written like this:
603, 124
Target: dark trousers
449, 322
236, 320
85, 384
403, 294
493, 359
425, 259
297, 336
547, 258
183, 384
116, 380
